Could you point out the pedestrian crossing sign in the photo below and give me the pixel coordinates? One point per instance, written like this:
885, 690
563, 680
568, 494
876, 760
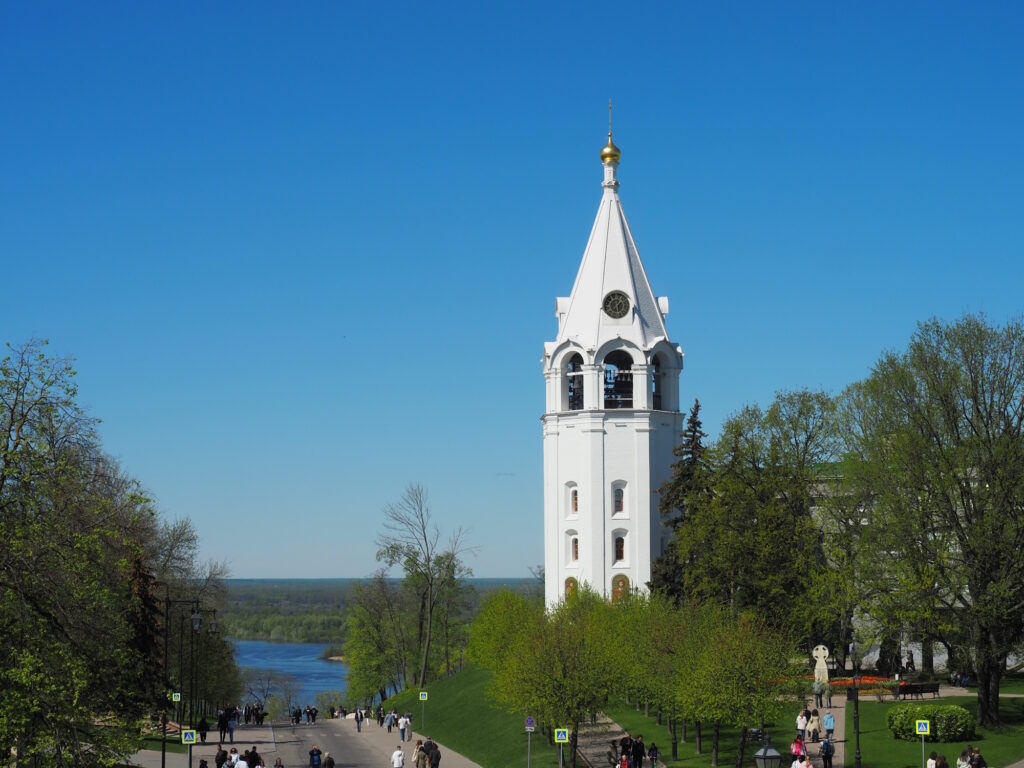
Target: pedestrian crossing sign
924, 727
175, 697
423, 695
561, 735
188, 736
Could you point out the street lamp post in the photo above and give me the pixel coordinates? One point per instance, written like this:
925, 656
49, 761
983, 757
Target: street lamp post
211, 631
767, 756
854, 694
193, 644
196, 617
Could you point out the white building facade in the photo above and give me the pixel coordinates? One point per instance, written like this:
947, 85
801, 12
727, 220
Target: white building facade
612, 415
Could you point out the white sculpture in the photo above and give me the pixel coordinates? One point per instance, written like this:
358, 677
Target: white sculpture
820, 654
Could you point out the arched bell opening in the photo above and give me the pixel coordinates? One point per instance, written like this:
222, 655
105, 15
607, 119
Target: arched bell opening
658, 379
618, 380
572, 386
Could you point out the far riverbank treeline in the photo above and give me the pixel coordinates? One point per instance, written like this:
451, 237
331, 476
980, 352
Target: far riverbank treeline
314, 610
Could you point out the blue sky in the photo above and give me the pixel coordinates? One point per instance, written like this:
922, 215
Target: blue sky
307, 253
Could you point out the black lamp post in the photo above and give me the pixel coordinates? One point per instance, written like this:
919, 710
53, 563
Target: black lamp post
854, 694
767, 756
196, 617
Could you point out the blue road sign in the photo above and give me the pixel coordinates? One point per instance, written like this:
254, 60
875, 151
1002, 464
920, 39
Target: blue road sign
561, 735
188, 736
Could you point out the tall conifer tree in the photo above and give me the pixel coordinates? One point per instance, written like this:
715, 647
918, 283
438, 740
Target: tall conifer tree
688, 478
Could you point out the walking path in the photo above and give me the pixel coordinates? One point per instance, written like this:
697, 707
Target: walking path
370, 748
592, 741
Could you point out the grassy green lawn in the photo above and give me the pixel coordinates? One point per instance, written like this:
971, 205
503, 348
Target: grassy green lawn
1013, 683
173, 745
880, 750
460, 715
634, 721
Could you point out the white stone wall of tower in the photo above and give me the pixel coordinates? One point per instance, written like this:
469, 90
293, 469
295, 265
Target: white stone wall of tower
595, 450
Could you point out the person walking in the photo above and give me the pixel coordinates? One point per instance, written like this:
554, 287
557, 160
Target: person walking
402, 723
654, 754
801, 725
419, 757
814, 726
639, 752
827, 750
315, 755
221, 757
359, 720
398, 757
829, 724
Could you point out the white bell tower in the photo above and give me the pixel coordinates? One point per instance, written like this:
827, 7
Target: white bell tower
612, 415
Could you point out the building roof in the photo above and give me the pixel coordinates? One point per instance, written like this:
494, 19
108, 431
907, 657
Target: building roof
611, 263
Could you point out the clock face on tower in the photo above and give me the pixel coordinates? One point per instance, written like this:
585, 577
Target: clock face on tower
616, 305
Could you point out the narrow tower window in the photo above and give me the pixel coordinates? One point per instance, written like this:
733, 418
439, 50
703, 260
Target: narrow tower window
575, 548
620, 500
618, 380
620, 549
574, 501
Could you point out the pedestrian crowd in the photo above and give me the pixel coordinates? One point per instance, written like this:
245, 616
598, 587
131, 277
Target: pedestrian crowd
628, 752
389, 720
812, 727
426, 754
309, 712
248, 759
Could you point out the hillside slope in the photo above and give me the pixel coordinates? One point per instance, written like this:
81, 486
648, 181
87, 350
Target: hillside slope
460, 715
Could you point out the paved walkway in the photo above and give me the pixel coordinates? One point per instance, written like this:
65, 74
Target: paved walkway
593, 741
370, 748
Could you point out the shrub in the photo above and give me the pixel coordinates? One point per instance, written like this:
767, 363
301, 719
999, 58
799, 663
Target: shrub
949, 722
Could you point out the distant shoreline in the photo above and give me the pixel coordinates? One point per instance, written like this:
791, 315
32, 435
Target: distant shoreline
363, 579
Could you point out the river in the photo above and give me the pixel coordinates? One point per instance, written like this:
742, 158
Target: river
299, 659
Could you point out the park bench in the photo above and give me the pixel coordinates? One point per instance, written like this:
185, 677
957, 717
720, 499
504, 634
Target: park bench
915, 690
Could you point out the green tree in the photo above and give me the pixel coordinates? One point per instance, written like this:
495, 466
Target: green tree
939, 443
689, 486
78, 662
377, 646
412, 540
558, 666
752, 540
737, 671
82, 559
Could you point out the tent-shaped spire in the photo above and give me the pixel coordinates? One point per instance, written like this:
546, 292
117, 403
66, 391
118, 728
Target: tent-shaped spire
611, 268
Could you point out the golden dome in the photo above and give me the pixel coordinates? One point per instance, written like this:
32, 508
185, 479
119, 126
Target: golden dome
610, 153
